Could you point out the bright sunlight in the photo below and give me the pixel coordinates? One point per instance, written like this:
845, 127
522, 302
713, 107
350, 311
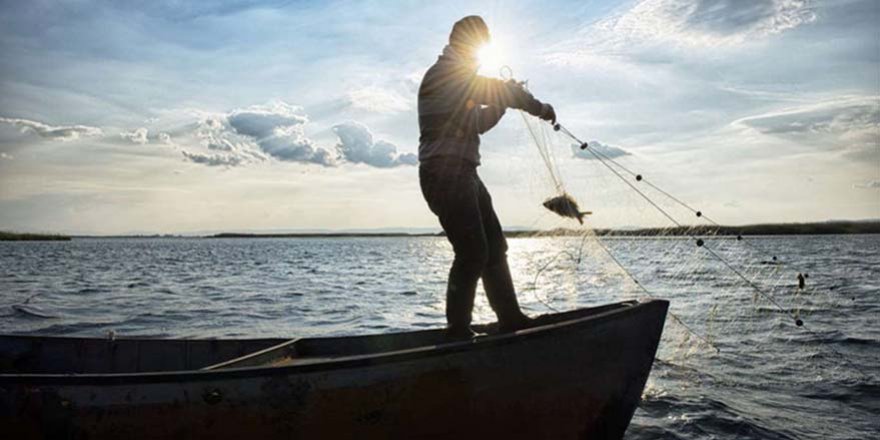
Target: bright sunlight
492, 57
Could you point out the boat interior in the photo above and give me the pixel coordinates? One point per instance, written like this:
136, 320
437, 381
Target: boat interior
28, 354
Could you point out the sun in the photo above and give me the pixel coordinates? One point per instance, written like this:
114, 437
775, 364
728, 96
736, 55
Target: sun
491, 57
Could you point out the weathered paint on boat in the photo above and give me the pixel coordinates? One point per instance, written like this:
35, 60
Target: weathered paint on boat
577, 374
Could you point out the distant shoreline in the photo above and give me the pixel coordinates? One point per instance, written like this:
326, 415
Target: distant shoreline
14, 236
827, 228
769, 229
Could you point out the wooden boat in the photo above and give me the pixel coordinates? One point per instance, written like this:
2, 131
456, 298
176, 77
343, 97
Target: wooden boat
576, 374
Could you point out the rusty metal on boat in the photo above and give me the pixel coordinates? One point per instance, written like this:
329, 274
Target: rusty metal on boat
576, 374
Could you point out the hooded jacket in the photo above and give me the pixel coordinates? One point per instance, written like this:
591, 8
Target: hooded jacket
456, 106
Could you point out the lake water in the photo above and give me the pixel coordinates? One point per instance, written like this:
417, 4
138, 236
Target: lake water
770, 380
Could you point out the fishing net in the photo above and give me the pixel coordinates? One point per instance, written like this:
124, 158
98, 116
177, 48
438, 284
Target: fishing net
730, 296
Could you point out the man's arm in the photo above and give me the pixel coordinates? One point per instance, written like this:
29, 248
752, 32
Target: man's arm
509, 94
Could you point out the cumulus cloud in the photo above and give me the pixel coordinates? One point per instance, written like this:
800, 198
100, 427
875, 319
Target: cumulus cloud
356, 145
137, 136
213, 160
277, 129
850, 124
210, 141
5, 156
681, 24
296, 148
261, 121
604, 150
61, 132
215, 134
247, 135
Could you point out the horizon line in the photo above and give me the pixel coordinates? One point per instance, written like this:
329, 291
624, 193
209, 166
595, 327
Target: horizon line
423, 231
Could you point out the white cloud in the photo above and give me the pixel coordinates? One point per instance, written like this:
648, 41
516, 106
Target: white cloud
61, 132
137, 136
252, 134
715, 22
683, 24
277, 129
261, 121
213, 160
850, 124
215, 134
356, 145
5, 156
605, 150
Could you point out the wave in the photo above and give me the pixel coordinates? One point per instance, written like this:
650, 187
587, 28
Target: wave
698, 418
31, 312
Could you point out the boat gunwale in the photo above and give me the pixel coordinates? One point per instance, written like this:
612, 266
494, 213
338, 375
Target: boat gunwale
342, 362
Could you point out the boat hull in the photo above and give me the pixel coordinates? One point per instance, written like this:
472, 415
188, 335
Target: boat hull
571, 380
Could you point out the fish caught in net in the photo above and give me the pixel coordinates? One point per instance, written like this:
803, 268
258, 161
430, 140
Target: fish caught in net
566, 206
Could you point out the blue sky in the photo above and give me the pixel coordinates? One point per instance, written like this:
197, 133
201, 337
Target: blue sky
179, 116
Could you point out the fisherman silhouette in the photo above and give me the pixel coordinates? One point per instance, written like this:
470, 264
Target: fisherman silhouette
456, 106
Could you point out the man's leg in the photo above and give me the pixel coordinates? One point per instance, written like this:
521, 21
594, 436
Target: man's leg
464, 230
453, 195
497, 280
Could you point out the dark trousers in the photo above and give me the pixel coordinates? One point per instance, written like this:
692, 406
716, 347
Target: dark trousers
456, 195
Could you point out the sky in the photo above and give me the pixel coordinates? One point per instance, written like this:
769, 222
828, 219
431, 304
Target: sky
189, 117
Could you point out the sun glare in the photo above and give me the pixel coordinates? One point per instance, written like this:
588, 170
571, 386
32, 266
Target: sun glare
492, 57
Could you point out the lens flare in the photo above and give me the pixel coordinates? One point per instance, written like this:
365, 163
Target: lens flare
491, 57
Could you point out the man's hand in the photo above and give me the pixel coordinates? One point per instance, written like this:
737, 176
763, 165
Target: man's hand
547, 113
